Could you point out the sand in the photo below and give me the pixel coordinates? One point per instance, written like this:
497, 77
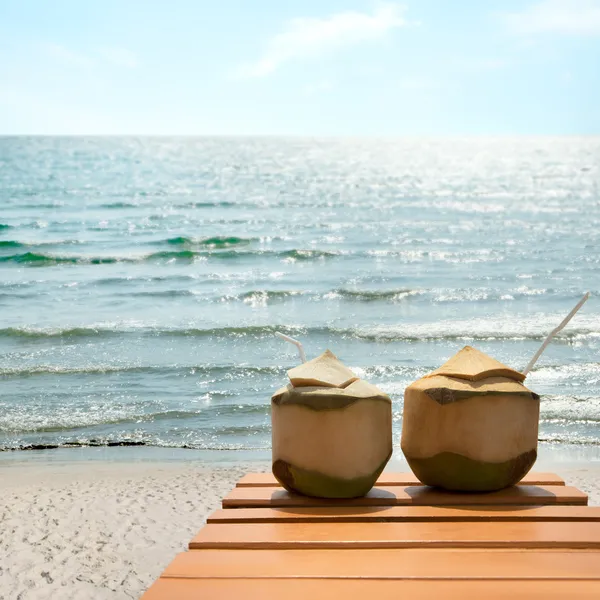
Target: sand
99, 530
106, 530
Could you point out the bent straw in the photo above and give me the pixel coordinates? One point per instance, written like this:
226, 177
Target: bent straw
553, 333
296, 343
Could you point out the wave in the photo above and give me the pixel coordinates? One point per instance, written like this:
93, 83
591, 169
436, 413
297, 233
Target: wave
374, 295
17, 244
267, 296
82, 421
118, 329
264, 297
87, 370
211, 242
39, 259
177, 255
5, 226
33, 333
552, 403
127, 280
158, 294
309, 254
251, 297
565, 440
566, 371
34, 258
573, 439
125, 442
110, 205
206, 204
519, 327
73, 444
453, 331
570, 409
210, 204
465, 336
231, 248
238, 371
36, 206
398, 375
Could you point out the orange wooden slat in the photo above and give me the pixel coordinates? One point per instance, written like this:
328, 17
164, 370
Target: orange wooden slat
550, 534
343, 514
402, 479
381, 589
388, 563
265, 497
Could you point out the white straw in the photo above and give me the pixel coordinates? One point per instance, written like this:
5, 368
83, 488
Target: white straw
553, 333
296, 343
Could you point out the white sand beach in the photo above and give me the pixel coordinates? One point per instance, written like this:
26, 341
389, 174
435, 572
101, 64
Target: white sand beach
105, 530
99, 531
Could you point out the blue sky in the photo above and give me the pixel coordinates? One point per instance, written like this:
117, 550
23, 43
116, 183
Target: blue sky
310, 67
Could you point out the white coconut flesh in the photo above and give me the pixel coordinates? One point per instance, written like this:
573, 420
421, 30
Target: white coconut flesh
345, 443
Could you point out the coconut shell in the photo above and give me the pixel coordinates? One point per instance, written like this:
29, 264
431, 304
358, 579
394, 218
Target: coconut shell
470, 425
332, 432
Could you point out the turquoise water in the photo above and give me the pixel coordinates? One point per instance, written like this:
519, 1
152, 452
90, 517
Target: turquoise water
141, 280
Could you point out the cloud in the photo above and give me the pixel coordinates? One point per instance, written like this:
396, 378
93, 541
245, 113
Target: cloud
311, 37
567, 17
120, 57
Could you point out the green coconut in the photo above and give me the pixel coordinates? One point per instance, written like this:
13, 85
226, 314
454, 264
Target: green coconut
332, 432
470, 425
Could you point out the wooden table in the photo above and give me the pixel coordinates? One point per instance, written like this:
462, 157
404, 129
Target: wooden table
403, 540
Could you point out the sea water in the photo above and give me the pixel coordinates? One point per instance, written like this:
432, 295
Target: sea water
142, 279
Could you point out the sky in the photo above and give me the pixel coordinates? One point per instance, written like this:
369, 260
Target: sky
300, 67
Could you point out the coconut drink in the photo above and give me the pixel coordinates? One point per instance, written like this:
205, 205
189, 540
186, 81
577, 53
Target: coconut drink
472, 424
332, 431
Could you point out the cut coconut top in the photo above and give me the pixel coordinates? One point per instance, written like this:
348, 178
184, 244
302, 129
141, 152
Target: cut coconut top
473, 365
445, 389
328, 398
325, 371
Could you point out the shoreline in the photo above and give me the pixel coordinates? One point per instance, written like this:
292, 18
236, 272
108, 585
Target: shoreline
103, 523
549, 453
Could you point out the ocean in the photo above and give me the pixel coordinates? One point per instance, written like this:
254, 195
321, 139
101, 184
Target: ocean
142, 279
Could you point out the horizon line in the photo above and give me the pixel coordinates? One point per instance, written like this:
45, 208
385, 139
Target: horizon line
297, 135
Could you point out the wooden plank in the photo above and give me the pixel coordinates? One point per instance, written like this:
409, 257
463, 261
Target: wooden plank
577, 535
359, 589
270, 497
402, 479
390, 514
387, 563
